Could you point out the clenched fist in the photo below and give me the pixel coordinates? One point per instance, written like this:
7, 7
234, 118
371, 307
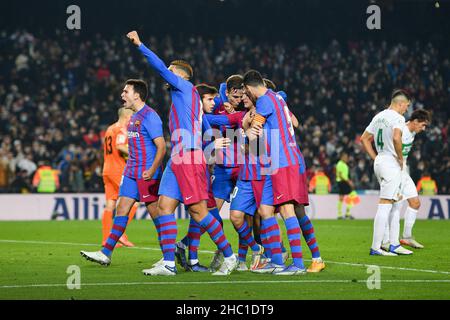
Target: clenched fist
134, 37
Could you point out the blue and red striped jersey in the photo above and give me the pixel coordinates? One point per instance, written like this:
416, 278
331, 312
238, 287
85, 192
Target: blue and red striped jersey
185, 117
282, 147
228, 124
145, 126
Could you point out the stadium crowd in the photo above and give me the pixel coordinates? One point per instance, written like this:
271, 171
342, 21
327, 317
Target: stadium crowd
58, 94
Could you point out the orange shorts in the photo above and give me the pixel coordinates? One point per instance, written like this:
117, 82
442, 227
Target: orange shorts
112, 184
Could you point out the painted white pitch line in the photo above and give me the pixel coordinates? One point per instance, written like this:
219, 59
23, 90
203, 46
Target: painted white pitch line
219, 282
205, 251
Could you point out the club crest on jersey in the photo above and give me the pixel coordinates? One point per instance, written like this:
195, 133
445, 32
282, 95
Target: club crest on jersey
137, 123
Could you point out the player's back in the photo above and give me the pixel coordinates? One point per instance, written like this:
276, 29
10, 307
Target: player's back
185, 117
280, 135
114, 161
382, 128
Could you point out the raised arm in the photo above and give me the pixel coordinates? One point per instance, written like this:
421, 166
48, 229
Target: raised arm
154, 61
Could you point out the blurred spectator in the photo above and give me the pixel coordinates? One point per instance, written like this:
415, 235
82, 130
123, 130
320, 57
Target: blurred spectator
426, 185
55, 102
46, 179
20, 183
320, 183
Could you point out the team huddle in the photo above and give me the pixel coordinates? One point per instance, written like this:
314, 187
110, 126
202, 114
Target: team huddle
237, 145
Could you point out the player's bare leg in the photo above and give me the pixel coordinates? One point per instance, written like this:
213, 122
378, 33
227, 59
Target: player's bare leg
339, 207
410, 218
219, 203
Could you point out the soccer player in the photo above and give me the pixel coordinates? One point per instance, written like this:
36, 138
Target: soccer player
282, 173
305, 223
142, 174
115, 150
192, 239
244, 205
418, 122
185, 177
226, 170
345, 185
387, 127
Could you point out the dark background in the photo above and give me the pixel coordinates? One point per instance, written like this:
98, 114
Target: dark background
293, 20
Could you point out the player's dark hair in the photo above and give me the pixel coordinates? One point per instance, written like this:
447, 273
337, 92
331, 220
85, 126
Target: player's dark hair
185, 66
236, 81
140, 87
204, 89
421, 115
253, 78
269, 84
400, 93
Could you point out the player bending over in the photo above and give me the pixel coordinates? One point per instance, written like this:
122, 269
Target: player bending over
418, 122
387, 127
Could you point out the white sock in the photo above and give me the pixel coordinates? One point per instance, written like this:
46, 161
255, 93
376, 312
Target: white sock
169, 263
410, 219
386, 234
394, 224
193, 261
379, 224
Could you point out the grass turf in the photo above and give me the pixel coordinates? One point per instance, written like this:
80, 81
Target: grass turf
39, 253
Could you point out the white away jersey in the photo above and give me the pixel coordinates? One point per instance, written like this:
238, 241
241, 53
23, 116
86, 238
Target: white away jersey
382, 128
407, 141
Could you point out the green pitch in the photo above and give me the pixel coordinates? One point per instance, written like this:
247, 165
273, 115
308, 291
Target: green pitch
35, 257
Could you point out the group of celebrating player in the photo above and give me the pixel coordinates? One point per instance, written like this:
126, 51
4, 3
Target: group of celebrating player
238, 146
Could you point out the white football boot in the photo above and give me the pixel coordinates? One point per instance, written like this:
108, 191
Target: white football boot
96, 256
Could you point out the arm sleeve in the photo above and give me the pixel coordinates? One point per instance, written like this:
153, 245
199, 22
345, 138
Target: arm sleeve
264, 106
399, 123
370, 128
153, 125
283, 95
157, 64
217, 119
222, 92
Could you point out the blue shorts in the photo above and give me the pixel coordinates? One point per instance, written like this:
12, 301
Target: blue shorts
169, 184
224, 180
249, 195
139, 190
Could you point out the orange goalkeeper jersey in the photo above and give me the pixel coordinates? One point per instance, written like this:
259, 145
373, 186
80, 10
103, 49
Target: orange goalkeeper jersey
114, 160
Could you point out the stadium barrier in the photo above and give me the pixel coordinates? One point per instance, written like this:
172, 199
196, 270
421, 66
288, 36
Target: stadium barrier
75, 206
